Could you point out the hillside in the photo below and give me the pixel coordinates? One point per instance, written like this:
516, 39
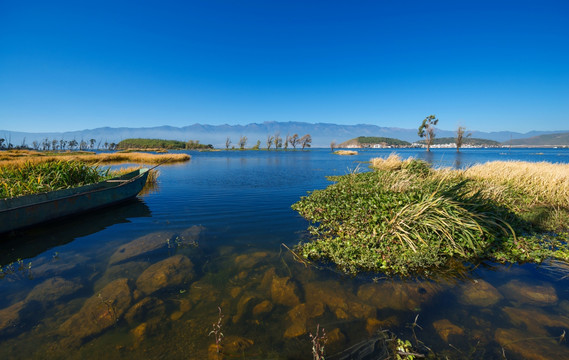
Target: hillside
370, 141
467, 141
542, 140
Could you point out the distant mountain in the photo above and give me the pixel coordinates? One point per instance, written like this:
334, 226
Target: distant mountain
322, 133
466, 141
561, 139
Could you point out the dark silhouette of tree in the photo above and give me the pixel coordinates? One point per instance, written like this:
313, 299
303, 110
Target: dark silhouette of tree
427, 130
270, 139
332, 145
227, 143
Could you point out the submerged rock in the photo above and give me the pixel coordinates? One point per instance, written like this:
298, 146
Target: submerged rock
535, 320
263, 307
398, 295
299, 317
99, 312
128, 270
478, 293
148, 309
141, 246
343, 303
247, 261
522, 293
445, 329
373, 324
13, 318
236, 344
173, 271
523, 345
52, 290
284, 291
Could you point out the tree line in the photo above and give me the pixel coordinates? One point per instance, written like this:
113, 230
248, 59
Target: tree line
275, 141
59, 145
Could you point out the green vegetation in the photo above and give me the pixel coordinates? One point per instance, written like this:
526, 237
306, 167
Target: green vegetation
30, 178
161, 144
406, 218
368, 141
465, 141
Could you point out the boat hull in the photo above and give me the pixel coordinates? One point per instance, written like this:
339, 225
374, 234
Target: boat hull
31, 210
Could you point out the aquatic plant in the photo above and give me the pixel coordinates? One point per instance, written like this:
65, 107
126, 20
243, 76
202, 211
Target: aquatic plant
216, 331
318, 342
405, 217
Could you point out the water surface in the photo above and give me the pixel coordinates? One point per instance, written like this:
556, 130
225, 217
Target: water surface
147, 279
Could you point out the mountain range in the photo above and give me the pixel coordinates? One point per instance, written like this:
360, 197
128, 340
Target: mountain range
322, 133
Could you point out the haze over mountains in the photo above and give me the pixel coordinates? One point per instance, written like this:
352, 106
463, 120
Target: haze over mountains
322, 133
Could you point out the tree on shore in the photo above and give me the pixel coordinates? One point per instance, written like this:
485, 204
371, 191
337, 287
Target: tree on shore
286, 141
227, 143
460, 137
333, 145
257, 145
305, 141
278, 140
242, 142
427, 130
270, 139
294, 141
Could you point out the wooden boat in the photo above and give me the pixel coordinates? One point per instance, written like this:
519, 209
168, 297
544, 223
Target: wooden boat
29, 210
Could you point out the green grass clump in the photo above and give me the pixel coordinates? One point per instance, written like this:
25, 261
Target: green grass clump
31, 178
408, 219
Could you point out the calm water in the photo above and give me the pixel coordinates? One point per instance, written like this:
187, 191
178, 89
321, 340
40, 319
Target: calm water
147, 279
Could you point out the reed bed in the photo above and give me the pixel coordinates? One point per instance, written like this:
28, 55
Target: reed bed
10, 159
30, 178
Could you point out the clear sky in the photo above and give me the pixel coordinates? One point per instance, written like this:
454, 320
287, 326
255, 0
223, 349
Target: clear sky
487, 65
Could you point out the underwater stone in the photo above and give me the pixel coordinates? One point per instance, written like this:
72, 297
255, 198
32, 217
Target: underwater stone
242, 306
299, 315
398, 295
141, 246
374, 324
262, 308
52, 290
335, 338
13, 317
522, 344
284, 291
236, 345
478, 293
173, 271
247, 261
148, 309
128, 270
540, 295
99, 312
535, 320
343, 303
445, 329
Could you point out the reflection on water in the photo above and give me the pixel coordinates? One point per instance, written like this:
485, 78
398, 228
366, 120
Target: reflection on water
150, 287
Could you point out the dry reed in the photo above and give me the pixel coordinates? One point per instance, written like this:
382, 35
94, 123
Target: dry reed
16, 158
345, 152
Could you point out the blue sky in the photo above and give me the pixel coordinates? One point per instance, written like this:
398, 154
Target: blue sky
487, 65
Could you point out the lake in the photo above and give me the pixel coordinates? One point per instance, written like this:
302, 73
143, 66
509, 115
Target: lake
151, 279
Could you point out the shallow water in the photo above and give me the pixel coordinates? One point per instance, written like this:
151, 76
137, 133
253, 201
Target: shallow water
146, 279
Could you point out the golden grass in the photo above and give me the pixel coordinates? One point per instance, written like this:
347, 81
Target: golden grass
393, 162
345, 152
542, 183
14, 158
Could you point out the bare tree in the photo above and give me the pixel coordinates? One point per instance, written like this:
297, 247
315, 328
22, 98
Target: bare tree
2, 143
73, 144
62, 144
287, 140
427, 130
460, 137
54, 144
92, 143
227, 143
333, 145
36, 145
305, 141
242, 142
270, 139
